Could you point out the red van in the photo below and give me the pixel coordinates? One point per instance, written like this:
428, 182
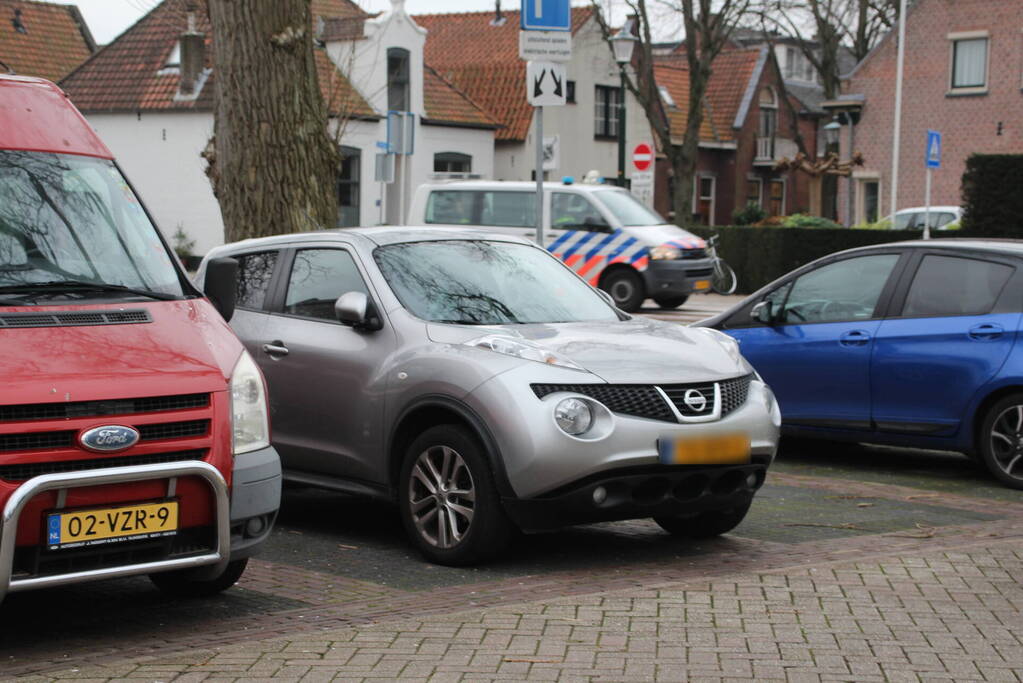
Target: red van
134, 435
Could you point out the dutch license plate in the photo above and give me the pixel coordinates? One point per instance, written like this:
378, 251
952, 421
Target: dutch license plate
700, 285
713, 450
111, 525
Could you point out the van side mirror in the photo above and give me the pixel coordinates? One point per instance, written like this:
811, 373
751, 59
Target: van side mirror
356, 310
763, 313
596, 224
221, 285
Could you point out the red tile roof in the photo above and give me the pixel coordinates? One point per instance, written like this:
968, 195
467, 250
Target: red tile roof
54, 39
732, 72
483, 61
445, 103
130, 73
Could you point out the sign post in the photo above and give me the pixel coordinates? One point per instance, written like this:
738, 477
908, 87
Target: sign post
642, 185
545, 34
933, 162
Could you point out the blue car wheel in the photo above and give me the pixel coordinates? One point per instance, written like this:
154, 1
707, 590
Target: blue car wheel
1001, 440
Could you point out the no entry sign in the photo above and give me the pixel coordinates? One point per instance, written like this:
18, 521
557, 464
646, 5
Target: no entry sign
642, 156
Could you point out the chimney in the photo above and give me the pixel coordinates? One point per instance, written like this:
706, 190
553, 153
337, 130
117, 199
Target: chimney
193, 55
499, 18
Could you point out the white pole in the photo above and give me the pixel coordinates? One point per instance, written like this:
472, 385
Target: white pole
927, 206
401, 190
897, 135
539, 176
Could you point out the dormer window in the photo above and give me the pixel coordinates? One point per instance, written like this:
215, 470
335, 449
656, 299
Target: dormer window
398, 79
174, 58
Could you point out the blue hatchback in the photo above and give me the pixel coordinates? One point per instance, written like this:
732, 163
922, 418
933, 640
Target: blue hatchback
910, 344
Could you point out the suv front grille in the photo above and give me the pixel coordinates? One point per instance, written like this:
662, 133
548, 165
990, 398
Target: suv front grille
644, 400
24, 471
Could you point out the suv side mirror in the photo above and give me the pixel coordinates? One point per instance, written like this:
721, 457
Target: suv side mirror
355, 309
221, 285
762, 313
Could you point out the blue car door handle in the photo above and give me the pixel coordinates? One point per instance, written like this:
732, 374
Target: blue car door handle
854, 338
985, 332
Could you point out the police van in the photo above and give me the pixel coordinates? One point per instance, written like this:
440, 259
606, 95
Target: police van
601, 232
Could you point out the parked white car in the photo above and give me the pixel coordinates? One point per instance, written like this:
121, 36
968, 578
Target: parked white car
940, 218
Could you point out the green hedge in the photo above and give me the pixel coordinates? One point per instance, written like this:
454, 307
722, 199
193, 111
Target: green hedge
993, 195
760, 255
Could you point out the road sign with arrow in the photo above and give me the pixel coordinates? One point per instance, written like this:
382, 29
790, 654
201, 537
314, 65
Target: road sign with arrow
545, 84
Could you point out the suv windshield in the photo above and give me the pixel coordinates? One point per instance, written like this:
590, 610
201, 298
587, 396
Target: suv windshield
629, 211
74, 221
487, 283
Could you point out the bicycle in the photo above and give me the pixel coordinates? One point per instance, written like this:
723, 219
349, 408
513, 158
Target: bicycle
723, 279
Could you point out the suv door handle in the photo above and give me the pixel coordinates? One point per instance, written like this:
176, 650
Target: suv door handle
985, 332
275, 348
854, 338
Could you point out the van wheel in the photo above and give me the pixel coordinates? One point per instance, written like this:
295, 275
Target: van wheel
1001, 441
705, 524
449, 502
179, 584
626, 288
671, 301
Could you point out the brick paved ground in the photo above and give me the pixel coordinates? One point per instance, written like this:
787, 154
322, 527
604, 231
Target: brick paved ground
948, 615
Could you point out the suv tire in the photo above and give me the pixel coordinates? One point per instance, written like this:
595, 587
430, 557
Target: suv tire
449, 503
179, 584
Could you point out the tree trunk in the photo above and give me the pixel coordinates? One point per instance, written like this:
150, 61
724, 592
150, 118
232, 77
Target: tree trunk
273, 167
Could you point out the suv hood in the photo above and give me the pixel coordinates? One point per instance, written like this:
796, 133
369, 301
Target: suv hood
186, 348
637, 351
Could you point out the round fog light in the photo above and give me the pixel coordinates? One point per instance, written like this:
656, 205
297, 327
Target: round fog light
751, 481
599, 495
573, 416
255, 526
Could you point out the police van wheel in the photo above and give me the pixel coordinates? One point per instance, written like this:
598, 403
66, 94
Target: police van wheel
626, 288
671, 301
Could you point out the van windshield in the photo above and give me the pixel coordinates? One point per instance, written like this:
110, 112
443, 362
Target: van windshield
487, 283
629, 211
73, 220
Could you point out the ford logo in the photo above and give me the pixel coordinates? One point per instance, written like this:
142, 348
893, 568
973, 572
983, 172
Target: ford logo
695, 399
109, 438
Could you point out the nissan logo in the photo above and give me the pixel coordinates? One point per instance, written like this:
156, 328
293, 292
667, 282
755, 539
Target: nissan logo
109, 438
695, 399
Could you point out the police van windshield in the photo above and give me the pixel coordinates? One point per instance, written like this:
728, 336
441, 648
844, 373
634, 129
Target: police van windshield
72, 223
628, 210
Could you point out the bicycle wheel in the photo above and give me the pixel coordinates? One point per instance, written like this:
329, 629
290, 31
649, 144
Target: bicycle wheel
723, 280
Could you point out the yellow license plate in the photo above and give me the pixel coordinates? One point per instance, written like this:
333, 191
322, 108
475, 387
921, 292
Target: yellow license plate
714, 450
701, 284
111, 525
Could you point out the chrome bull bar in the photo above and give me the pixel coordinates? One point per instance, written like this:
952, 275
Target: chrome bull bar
218, 558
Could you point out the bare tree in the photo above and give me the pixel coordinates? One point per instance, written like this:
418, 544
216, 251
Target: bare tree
823, 28
708, 27
273, 165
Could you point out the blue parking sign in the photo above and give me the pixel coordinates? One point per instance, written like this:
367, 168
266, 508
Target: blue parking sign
546, 15
933, 149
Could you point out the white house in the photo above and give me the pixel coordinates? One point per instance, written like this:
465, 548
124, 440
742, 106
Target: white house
149, 94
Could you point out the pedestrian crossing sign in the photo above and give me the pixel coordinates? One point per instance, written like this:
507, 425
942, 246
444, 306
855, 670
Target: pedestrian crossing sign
933, 149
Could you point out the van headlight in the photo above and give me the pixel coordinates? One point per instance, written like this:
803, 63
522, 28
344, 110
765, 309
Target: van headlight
665, 252
250, 426
574, 416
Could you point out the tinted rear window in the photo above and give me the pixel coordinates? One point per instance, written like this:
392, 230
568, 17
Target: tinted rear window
482, 207
950, 285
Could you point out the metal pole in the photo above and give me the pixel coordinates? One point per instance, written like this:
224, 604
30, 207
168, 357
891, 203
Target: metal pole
539, 176
851, 187
897, 134
621, 127
927, 206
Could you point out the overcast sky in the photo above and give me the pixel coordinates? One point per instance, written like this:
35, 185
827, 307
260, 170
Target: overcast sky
108, 18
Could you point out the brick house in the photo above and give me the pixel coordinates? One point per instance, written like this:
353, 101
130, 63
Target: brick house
42, 38
746, 130
963, 77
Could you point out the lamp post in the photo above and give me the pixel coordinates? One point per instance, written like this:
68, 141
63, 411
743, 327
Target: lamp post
623, 43
829, 184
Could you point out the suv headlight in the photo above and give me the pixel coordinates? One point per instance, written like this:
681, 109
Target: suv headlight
521, 348
665, 252
250, 427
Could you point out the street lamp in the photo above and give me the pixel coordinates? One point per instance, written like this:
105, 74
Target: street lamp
831, 132
623, 43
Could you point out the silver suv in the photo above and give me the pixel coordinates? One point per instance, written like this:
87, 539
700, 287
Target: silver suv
482, 385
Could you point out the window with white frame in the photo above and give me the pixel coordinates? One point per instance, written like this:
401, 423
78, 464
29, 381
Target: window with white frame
606, 112
969, 61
